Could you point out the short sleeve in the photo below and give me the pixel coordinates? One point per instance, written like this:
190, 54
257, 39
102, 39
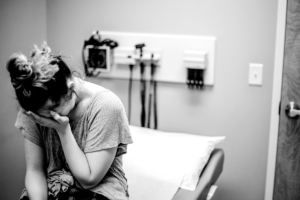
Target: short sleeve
29, 128
108, 125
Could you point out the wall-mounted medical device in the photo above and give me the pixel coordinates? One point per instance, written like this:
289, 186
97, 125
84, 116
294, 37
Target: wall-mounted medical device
195, 62
141, 57
96, 54
170, 53
160, 58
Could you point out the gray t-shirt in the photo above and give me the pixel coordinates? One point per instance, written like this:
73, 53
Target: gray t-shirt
103, 125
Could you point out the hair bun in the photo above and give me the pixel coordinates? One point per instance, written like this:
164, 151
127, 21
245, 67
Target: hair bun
20, 70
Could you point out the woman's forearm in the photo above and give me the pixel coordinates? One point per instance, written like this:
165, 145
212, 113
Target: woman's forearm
36, 185
76, 159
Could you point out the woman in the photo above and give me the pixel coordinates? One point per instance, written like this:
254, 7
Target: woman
75, 132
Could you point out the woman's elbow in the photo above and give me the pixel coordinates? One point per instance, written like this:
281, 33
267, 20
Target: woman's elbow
89, 184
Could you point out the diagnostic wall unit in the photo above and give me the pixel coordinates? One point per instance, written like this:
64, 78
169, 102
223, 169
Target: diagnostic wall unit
170, 51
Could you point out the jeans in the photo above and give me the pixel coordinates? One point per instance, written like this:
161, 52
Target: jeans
79, 194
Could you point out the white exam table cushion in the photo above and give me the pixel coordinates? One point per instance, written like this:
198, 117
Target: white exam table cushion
158, 162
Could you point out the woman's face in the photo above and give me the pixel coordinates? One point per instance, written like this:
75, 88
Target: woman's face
62, 108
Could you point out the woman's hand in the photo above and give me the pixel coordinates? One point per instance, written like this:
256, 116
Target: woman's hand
59, 123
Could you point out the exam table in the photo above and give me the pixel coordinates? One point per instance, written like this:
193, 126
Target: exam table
154, 159
209, 176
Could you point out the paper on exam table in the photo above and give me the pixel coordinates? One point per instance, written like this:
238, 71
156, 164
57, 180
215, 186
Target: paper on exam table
153, 167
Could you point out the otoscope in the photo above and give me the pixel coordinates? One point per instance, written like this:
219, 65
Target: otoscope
143, 84
152, 94
130, 87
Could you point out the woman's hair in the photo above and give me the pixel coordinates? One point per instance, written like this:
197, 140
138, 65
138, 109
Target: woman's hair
41, 77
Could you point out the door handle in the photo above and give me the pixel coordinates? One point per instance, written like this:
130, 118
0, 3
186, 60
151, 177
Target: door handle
292, 110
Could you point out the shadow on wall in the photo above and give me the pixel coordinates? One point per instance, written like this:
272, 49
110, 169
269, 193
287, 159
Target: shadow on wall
23, 23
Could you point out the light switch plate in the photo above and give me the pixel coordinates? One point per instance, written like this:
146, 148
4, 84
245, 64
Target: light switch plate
255, 74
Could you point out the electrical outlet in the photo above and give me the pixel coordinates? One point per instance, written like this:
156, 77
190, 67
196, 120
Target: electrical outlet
255, 74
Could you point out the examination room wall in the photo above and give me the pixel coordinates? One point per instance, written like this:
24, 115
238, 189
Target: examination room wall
245, 33
22, 24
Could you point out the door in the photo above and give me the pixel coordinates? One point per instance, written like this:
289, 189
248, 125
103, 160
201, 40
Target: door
287, 171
